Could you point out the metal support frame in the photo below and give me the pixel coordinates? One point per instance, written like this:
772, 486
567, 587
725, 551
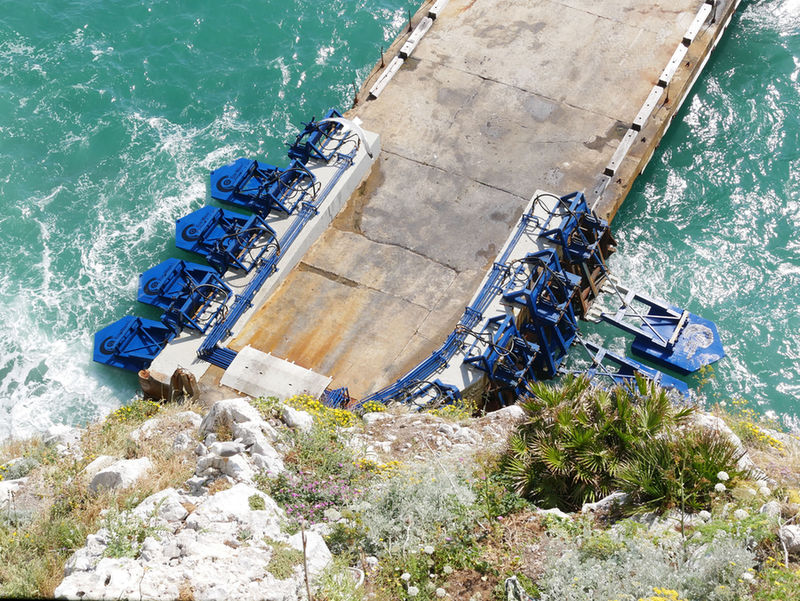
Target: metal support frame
262, 188
225, 238
545, 291
621, 370
192, 295
320, 140
503, 352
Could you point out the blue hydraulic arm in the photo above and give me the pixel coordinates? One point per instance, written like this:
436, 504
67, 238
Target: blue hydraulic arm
664, 333
621, 370
322, 140
261, 188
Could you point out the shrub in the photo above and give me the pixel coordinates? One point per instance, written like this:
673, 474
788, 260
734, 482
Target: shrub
630, 569
678, 469
576, 438
283, 560
127, 533
403, 514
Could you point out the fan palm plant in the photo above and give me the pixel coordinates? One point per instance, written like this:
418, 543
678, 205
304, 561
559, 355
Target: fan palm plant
577, 437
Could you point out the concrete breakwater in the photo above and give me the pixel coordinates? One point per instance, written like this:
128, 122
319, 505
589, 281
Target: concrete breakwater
496, 100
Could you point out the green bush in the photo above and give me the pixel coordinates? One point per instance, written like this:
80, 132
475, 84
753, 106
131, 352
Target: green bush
577, 437
678, 470
611, 565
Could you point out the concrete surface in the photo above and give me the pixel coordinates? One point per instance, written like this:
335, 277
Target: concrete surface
499, 98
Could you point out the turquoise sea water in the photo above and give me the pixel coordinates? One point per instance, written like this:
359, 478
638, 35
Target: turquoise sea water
714, 222
112, 113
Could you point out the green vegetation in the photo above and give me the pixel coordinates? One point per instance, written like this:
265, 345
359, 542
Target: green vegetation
579, 443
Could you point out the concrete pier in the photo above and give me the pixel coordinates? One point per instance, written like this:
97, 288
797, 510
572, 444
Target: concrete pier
498, 99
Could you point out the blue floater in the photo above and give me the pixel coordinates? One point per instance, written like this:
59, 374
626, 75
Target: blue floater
225, 238
260, 188
191, 294
131, 343
666, 334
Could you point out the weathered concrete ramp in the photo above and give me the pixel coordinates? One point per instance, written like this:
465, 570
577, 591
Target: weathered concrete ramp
500, 98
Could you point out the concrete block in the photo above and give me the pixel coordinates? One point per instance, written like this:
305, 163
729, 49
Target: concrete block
416, 36
388, 73
262, 374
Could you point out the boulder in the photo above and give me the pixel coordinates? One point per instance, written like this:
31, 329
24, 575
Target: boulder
234, 411
121, 474
295, 419
318, 556
233, 505
98, 464
606, 503
165, 504
771, 509
790, 535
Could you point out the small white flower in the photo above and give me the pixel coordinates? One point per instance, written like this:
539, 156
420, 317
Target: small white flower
704, 515
749, 492
720, 487
764, 490
723, 477
440, 592
428, 549
405, 576
748, 577
413, 591
740, 514
447, 570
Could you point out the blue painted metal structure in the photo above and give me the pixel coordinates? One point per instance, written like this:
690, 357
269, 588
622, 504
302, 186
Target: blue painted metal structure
552, 287
192, 295
224, 238
667, 335
262, 188
315, 141
622, 370
131, 342
222, 357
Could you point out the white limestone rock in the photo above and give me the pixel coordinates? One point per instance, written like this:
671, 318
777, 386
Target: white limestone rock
233, 410
255, 435
121, 474
233, 505
100, 463
606, 503
771, 509
295, 419
227, 448
790, 535
318, 556
375, 417
555, 511
65, 439
270, 461
165, 504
